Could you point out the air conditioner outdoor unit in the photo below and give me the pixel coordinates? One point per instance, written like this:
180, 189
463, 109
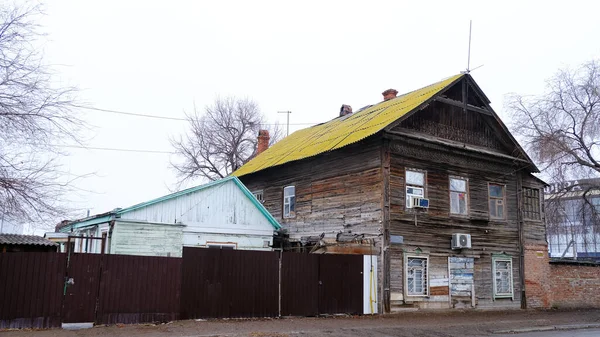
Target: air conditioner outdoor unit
460, 241
417, 202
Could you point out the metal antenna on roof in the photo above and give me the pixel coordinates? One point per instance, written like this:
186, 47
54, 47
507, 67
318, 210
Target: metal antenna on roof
288, 120
469, 54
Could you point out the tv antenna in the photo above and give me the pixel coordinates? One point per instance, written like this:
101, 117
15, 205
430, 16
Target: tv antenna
469, 51
288, 120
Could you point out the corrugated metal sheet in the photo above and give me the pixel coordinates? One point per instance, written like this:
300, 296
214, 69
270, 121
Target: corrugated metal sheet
300, 284
80, 297
31, 289
218, 283
139, 289
342, 131
18, 239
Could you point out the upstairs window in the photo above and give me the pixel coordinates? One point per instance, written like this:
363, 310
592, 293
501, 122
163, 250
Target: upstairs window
415, 185
531, 204
458, 196
496, 198
595, 201
289, 201
259, 196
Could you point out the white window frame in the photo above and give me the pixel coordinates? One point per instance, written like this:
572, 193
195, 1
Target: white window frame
414, 186
287, 201
221, 244
466, 192
510, 294
426, 277
259, 195
503, 199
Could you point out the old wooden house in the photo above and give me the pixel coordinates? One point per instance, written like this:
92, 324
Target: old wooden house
430, 182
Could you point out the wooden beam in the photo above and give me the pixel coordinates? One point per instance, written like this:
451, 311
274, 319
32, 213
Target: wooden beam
453, 144
462, 105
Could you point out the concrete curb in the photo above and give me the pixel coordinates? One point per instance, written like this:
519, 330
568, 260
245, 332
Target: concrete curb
548, 328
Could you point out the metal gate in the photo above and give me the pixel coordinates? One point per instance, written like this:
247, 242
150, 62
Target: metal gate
321, 284
82, 283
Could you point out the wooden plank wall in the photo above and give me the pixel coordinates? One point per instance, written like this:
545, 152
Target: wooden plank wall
433, 232
335, 191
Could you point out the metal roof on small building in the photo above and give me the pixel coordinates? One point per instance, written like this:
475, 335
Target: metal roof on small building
18, 239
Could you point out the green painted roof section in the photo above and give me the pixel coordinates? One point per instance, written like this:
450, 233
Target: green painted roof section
87, 222
237, 182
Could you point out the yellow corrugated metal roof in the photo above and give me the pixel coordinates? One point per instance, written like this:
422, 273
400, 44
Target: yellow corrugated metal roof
341, 131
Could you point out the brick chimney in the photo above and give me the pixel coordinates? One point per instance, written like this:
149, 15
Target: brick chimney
389, 94
345, 110
263, 141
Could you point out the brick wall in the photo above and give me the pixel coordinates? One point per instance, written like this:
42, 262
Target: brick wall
559, 284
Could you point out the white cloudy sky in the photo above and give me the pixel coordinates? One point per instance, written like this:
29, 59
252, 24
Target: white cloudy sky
159, 57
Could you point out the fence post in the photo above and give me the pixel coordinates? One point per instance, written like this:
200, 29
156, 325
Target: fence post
280, 264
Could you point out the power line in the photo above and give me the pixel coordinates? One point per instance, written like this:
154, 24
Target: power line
161, 117
115, 149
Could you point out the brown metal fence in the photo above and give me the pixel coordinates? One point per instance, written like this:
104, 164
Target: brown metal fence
138, 289
219, 283
42, 290
31, 289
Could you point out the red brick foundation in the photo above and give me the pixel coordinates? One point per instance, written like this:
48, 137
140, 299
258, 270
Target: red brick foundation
559, 284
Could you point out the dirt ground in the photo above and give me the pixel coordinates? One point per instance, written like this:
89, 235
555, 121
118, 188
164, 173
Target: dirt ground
419, 324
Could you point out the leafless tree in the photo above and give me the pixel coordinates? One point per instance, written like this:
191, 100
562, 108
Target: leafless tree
220, 140
34, 115
561, 129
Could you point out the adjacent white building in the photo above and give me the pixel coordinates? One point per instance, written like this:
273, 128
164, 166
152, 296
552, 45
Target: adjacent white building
222, 214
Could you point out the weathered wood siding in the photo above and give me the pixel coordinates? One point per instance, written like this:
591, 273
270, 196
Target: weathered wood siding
146, 239
218, 214
335, 191
432, 232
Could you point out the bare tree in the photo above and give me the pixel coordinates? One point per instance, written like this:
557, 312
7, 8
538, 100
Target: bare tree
221, 140
34, 115
561, 127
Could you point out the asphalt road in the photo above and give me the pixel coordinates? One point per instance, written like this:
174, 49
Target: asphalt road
568, 333
468, 323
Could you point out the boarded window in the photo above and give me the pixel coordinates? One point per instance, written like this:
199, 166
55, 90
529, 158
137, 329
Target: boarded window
415, 185
416, 276
503, 285
496, 197
289, 202
531, 204
458, 196
259, 196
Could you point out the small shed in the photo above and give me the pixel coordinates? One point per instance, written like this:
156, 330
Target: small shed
25, 243
222, 214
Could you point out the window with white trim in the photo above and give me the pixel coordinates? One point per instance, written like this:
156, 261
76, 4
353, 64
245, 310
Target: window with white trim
531, 204
259, 196
502, 273
458, 196
497, 202
221, 245
289, 201
415, 185
417, 276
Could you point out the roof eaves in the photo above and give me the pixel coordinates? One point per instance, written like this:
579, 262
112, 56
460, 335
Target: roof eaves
256, 203
173, 195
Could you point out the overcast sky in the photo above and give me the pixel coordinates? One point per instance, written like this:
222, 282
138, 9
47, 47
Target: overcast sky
309, 57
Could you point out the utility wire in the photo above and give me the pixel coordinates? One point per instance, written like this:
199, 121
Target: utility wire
161, 117
115, 149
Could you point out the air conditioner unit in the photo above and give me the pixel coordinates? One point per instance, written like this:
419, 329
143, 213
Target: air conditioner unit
460, 241
418, 202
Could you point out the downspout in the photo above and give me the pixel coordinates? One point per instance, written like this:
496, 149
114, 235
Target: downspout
520, 226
